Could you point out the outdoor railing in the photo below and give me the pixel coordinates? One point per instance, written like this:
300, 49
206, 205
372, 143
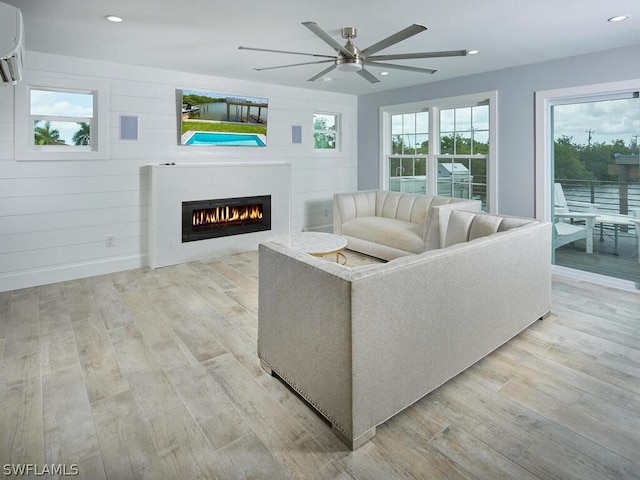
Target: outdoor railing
612, 197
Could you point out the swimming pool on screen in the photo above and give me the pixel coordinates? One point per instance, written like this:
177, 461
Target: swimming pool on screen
226, 139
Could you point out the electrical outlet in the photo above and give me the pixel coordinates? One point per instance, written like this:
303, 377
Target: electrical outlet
110, 241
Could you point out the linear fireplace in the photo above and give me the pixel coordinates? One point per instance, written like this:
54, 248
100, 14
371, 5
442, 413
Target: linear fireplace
203, 219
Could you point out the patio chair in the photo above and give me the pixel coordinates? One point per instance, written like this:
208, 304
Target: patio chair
562, 205
565, 232
565, 227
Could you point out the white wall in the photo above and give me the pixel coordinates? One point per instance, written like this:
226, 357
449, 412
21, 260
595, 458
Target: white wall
55, 215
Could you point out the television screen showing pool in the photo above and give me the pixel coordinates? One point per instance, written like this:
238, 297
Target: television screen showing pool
219, 119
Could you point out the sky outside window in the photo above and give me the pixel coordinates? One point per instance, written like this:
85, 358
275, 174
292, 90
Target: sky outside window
605, 121
48, 103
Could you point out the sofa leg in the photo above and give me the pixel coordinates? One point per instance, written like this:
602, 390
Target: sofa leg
356, 442
266, 367
545, 316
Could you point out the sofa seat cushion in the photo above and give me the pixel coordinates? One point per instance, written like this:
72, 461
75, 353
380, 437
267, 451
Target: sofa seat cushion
394, 233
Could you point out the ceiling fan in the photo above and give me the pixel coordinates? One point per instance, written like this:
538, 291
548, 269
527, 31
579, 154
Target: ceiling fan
350, 58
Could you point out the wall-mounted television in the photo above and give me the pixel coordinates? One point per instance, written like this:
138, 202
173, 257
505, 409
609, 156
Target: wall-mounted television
219, 119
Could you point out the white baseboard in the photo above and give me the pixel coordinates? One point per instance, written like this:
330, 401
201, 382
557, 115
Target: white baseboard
45, 276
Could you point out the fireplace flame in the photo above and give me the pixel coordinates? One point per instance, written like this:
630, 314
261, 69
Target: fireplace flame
220, 216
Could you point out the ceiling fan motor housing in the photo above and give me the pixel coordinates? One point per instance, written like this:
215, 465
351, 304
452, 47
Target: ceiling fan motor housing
349, 32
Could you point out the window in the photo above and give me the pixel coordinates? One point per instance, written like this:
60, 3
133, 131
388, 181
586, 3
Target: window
442, 147
60, 119
464, 130
409, 152
464, 150
325, 131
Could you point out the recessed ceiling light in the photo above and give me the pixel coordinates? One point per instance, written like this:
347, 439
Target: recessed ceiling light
113, 18
384, 73
618, 18
473, 52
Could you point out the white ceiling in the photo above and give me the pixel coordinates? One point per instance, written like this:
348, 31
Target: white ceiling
202, 36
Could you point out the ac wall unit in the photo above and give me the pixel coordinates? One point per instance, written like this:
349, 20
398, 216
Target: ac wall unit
11, 44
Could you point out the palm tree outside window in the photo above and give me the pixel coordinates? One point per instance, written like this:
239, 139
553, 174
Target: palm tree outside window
61, 118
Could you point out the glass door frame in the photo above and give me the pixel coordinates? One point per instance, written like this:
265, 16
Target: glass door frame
544, 173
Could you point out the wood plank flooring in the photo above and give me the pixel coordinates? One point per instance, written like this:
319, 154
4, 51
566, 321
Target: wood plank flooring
153, 374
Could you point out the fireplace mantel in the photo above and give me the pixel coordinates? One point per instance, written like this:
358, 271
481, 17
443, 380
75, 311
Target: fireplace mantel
170, 185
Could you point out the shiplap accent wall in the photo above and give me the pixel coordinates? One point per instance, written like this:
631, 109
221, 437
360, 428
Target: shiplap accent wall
55, 215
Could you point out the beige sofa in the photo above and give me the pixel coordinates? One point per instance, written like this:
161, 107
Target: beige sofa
388, 225
361, 344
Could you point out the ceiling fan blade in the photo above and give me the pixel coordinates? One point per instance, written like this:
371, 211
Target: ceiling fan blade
313, 26
323, 72
393, 39
407, 56
293, 65
367, 76
284, 51
402, 67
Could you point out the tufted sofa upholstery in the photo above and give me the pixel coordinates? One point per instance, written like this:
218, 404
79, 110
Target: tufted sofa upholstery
388, 225
361, 344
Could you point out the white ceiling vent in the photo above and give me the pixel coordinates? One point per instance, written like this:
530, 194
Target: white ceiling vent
11, 44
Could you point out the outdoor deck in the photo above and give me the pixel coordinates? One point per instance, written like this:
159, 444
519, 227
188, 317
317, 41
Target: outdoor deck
602, 261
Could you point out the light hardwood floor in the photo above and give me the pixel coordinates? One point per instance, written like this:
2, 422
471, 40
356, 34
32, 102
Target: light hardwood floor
153, 374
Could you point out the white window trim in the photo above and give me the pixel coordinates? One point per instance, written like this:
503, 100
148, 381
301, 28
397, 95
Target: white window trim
544, 100
338, 132
434, 106
24, 149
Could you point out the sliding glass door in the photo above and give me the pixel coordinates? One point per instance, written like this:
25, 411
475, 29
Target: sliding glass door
596, 184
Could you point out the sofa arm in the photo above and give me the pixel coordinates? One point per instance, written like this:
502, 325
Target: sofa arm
304, 328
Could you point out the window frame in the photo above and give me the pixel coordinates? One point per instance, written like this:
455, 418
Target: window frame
337, 132
24, 148
434, 106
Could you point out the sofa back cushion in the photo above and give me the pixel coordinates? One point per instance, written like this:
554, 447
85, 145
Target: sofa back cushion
465, 226
402, 206
484, 225
352, 205
438, 218
458, 227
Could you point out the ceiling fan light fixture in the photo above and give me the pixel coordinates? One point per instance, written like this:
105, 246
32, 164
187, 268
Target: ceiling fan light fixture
345, 64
